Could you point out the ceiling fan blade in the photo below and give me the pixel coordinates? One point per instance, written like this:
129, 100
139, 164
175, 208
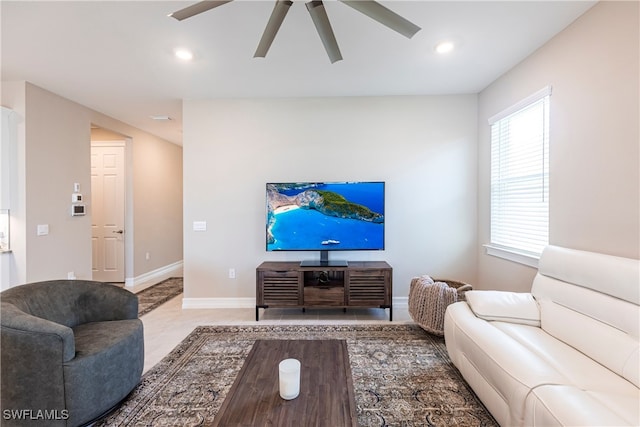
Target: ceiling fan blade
375, 10
275, 21
197, 8
321, 21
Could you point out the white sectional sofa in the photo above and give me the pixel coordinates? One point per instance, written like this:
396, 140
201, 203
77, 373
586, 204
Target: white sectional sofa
566, 354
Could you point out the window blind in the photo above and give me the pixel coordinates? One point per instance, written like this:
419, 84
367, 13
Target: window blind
520, 176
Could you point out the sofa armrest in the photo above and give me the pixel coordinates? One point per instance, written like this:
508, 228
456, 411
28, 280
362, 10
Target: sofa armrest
23, 327
502, 306
34, 354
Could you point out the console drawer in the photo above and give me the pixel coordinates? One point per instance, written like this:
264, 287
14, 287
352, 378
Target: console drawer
324, 296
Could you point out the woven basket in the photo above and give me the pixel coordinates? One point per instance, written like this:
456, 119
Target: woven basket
461, 287
429, 299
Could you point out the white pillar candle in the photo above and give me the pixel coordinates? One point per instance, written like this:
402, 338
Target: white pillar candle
289, 370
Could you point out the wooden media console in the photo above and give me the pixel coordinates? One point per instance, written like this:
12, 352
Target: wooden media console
359, 284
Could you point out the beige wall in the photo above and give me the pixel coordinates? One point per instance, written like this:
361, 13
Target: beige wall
52, 147
424, 148
157, 181
53, 153
594, 143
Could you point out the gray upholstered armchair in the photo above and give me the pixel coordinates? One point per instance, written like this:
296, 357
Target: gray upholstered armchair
71, 351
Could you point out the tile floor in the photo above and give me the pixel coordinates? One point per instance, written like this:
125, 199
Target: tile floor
166, 326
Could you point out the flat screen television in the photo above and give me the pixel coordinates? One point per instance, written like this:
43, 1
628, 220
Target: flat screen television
325, 216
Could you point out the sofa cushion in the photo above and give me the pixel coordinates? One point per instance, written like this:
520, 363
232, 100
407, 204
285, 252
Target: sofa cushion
615, 312
565, 405
615, 349
113, 352
580, 291
577, 368
607, 274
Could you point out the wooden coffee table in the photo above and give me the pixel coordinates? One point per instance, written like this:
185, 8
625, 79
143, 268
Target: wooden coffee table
326, 387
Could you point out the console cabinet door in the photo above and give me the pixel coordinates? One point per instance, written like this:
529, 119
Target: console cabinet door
369, 288
280, 288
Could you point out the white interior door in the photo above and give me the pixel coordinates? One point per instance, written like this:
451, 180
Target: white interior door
107, 217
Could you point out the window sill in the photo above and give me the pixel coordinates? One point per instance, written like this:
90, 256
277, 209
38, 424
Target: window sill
521, 257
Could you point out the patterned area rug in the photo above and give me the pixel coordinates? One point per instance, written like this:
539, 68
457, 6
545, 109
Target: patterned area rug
402, 376
157, 295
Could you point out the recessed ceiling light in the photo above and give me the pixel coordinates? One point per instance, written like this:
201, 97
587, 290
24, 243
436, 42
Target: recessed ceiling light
444, 47
184, 54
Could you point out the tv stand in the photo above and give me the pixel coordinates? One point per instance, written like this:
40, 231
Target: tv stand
321, 263
324, 261
292, 284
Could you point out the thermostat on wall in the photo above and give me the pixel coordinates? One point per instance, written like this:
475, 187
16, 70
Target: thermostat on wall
77, 210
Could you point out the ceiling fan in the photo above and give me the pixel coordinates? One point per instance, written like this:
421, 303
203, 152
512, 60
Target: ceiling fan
320, 19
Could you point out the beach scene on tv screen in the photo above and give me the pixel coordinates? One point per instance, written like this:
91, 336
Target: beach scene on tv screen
325, 216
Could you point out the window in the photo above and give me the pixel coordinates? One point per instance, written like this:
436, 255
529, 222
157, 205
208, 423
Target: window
520, 179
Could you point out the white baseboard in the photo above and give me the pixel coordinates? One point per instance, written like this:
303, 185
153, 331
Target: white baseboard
202, 303
400, 302
146, 280
218, 303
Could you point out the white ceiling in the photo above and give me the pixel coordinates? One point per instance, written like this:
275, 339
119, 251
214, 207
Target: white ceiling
116, 57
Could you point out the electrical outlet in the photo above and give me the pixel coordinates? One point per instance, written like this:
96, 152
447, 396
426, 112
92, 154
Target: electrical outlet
71, 275
232, 273
147, 256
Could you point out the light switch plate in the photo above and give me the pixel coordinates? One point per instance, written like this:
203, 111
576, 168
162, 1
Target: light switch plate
42, 229
199, 225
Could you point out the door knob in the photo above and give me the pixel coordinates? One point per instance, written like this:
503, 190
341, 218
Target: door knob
118, 231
